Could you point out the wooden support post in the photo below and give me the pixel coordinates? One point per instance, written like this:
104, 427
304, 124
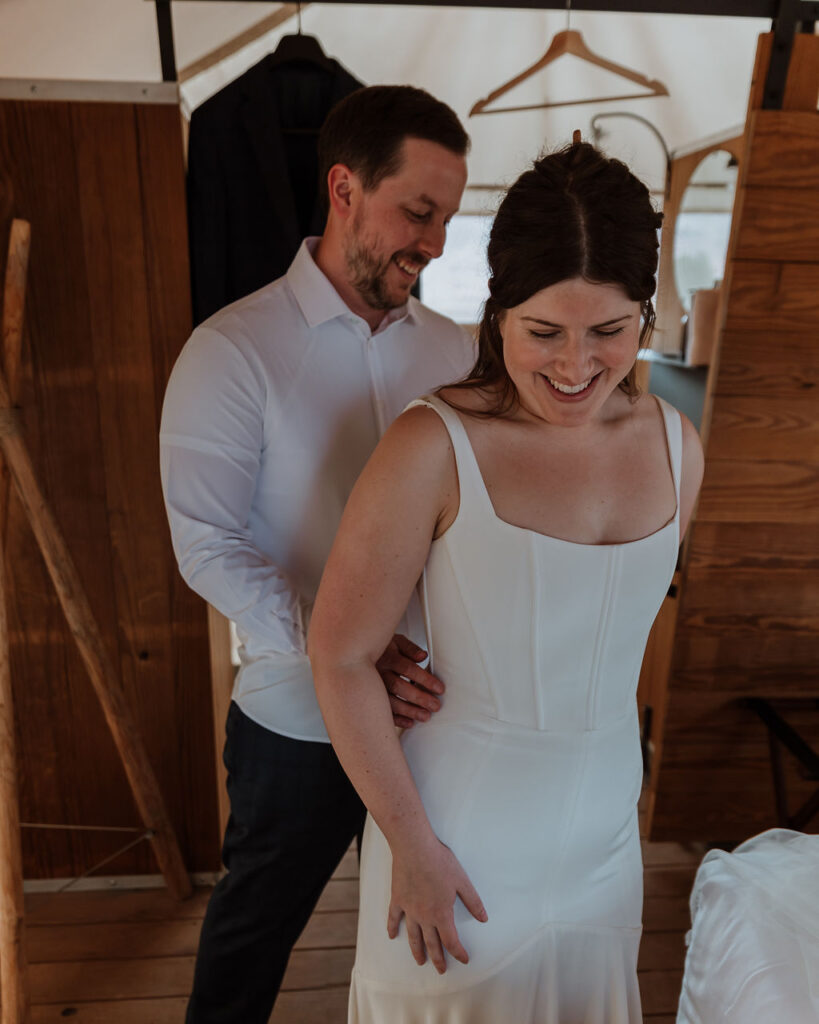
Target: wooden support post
13, 962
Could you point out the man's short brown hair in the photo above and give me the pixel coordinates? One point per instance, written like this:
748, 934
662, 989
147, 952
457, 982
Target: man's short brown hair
366, 130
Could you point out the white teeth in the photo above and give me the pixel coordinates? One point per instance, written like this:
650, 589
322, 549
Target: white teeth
568, 389
409, 268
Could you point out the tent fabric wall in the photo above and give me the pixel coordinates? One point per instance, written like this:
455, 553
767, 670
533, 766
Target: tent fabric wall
108, 309
459, 54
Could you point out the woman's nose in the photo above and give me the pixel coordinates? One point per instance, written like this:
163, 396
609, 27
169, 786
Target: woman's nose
574, 361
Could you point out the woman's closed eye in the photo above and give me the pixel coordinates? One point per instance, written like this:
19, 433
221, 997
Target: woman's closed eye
599, 333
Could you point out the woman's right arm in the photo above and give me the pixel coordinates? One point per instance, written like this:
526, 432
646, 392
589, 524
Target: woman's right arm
381, 546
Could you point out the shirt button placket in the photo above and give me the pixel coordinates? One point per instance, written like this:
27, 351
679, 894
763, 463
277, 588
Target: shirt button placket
376, 387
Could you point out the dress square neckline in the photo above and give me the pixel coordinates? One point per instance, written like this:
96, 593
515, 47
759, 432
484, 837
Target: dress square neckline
548, 536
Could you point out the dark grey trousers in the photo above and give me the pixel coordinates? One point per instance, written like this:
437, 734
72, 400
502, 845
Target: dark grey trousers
293, 815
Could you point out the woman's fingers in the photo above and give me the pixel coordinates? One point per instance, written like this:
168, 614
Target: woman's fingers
415, 938
471, 900
448, 935
435, 949
426, 891
394, 919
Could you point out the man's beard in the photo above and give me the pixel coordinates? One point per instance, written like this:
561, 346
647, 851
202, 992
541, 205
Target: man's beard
368, 272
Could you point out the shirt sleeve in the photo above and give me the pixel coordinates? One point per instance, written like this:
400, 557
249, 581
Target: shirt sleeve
211, 442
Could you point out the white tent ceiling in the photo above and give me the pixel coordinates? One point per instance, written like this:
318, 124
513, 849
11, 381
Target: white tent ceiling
459, 54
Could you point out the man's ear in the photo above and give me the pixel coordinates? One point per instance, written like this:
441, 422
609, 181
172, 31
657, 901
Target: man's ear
342, 187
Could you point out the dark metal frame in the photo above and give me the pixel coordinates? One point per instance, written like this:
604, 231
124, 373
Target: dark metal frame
780, 734
787, 16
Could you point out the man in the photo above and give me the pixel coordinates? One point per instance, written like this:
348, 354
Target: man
272, 409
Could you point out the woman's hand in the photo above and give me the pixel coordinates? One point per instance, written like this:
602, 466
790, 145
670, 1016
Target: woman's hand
424, 888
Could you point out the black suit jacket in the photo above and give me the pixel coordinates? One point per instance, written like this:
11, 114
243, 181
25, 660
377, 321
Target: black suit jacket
253, 176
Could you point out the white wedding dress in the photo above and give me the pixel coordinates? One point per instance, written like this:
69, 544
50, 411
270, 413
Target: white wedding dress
530, 772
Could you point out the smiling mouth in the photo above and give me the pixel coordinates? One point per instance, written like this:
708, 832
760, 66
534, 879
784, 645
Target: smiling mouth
571, 389
409, 267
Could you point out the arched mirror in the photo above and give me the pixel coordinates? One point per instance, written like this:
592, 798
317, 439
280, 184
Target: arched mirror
703, 226
693, 247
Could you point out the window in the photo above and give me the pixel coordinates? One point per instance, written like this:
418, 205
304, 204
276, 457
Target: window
455, 284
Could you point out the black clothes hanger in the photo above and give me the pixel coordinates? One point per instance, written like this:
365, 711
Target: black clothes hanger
301, 48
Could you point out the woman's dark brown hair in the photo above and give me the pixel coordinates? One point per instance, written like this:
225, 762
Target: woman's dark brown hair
575, 213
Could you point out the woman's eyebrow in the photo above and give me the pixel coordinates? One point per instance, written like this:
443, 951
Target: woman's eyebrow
605, 323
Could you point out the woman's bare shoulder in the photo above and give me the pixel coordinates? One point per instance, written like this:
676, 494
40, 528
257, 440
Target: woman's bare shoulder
417, 443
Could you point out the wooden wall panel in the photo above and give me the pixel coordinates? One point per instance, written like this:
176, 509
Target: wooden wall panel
761, 363
786, 150
751, 491
748, 621
107, 312
766, 427
168, 279
753, 545
775, 297
780, 224
61, 420
802, 86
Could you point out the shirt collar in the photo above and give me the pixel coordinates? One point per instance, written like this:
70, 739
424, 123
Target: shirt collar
320, 302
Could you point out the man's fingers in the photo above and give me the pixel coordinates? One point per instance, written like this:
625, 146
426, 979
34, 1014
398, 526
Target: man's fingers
407, 647
402, 666
412, 695
401, 709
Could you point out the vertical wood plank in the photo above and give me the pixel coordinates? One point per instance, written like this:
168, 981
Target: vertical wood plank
109, 311
61, 427
802, 85
165, 228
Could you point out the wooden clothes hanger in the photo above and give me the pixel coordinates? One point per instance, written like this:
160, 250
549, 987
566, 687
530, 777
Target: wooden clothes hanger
570, 41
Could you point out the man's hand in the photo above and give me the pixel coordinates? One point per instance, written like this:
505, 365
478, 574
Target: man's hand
411, 688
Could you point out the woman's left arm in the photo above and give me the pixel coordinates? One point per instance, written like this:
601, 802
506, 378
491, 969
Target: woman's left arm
378, 555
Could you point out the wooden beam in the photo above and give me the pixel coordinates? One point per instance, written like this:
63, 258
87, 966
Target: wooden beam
721, 8
13, 961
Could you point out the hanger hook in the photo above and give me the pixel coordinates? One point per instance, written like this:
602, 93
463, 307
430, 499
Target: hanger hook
298, 15
568, 14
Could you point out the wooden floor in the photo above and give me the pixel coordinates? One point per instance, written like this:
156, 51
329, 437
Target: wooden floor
126, 957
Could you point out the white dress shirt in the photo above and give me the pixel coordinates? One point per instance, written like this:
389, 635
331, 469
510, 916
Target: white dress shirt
272, 409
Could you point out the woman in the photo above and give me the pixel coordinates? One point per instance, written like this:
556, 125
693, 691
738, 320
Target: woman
542, 503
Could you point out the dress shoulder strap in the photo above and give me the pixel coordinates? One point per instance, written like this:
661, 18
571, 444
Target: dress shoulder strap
673, 437
473, 493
